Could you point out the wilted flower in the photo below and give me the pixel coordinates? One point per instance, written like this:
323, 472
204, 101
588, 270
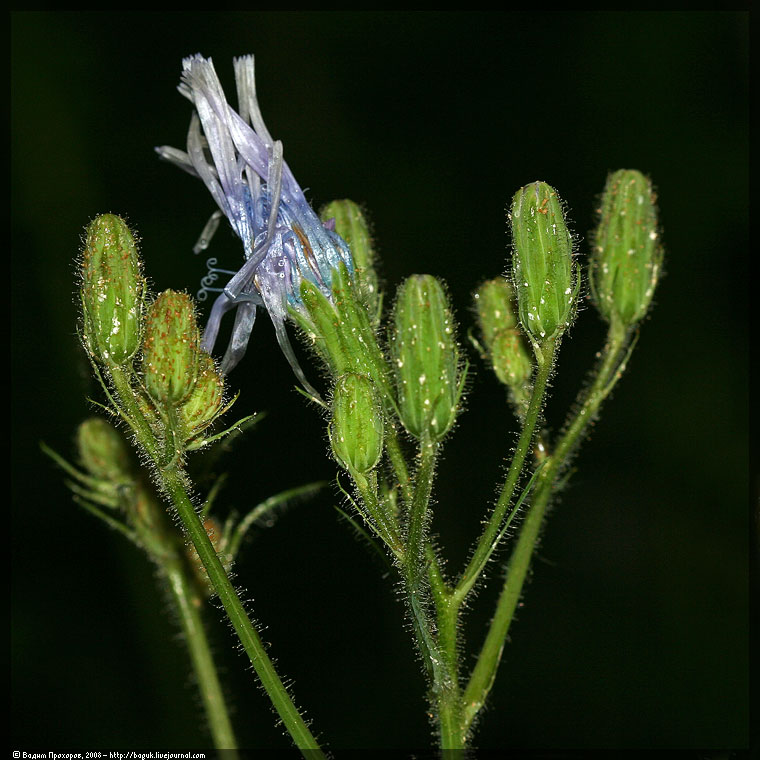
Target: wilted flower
283, 239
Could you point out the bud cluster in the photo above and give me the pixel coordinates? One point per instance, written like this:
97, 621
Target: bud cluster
114, 481
177, 373
103, 452
179, 384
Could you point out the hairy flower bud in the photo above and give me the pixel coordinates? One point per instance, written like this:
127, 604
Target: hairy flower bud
511, 358
543, 272
207, 398
425, 356
171, 350
103, 451
351, 224
322, 325
495, 303
627, 255
505, 344
341, 331
112, 291
356, 429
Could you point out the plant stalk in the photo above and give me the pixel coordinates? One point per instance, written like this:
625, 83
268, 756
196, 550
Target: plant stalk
484, 673
545, 362
174, 484
188, 604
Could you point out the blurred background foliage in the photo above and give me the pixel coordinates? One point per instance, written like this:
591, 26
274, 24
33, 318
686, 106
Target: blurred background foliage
634, 628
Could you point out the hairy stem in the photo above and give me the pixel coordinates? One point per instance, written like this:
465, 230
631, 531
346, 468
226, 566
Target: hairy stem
416, 533
484, 673
398, 463
188, 604
469, 577
173, 482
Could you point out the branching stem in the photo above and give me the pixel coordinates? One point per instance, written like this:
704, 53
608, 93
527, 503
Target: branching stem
484, 673
174, 484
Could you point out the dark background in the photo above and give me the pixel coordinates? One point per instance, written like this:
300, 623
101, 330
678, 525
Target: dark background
634, 632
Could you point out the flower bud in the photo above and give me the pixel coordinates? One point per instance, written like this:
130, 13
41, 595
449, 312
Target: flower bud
352, 226
341, 331
511, 359
207, 398
495, 303
103, 451
171, 350
627, 255
425, 356
322, 325
112, 291
356, 429
543, 271
507, 350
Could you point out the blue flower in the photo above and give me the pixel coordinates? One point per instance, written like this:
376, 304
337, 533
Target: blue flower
284, 241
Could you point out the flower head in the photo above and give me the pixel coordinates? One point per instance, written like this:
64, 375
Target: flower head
284, 242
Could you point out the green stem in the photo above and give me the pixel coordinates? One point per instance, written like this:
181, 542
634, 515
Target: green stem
173, 482
415, 562
484, 673
416, 534
452, 724
453, 734
610, 370
398, 463
545, 362
188, 604
126, 394
442, 653
381, 520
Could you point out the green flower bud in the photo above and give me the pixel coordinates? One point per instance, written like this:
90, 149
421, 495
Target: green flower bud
112, 291
352, 226
321, 323
497, 314
103, 451
207, 398
543, 272
171, 350
627, 255
425, 356
341, 331
511, 359
356, 429
495, 302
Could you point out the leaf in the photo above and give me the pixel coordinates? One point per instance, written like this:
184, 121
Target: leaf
265, 509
